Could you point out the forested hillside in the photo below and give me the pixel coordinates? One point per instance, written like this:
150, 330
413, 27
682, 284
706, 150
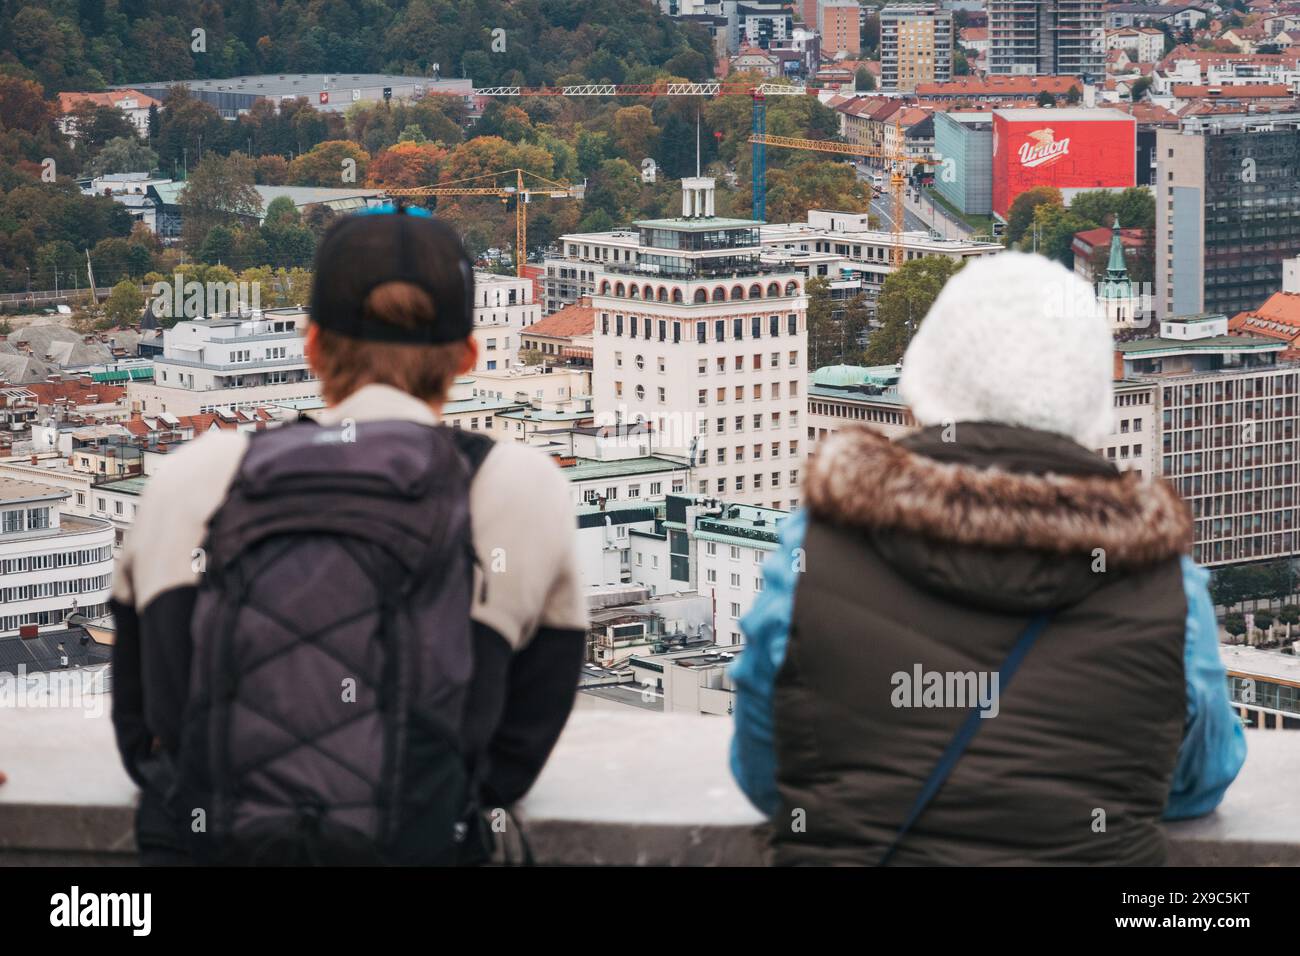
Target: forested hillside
88, 44
47, 226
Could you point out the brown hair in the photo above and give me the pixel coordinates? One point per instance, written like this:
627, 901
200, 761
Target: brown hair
344, 364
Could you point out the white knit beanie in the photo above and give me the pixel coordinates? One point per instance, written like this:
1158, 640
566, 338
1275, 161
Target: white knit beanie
1016, 339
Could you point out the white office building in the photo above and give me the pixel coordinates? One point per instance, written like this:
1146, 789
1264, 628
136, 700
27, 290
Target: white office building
236, 360
503, 307
52, 565
699, 339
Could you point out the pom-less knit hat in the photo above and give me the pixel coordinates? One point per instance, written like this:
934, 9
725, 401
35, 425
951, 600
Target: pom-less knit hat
1016, 339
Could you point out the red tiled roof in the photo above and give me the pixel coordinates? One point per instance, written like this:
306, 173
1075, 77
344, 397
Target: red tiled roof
69, 101
1148, 113
1000, 86
77, 391
572, 321
1277, 318
1130, 238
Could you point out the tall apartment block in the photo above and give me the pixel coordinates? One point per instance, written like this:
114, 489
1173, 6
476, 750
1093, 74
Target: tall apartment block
1227, 211
697, 337
1226, 426
1046, 37
503, 308
915, 46
839, 23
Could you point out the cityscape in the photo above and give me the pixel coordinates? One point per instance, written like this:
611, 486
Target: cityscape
703, 235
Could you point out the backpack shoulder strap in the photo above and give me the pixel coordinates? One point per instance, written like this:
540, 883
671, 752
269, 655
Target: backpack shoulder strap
473, 446
966, 733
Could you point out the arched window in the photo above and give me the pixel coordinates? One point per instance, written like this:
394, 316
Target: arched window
719, 294
662, 294
756, 291
633, 292
773, 290
737, 292
619, 291
648, 293
604, 287
792, 288
701, 295
677, 295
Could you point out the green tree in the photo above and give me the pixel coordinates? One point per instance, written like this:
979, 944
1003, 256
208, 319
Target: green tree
220, 191
1235, 625
1053, 233
281, 211
905, 298
123, 154
864, 81
1021, 215
821, 325
218, 245
125, 303
1046, 99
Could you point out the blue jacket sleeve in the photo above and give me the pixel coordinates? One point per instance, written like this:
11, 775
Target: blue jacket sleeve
766, 628
1214, 745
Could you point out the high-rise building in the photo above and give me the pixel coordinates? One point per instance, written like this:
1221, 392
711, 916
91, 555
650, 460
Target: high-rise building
838, 24
915, 46
1054, 37
963, 146
699, 338
1227, 211
1226, 424
503, 308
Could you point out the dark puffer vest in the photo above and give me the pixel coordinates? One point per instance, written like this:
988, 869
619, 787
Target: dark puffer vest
937, 553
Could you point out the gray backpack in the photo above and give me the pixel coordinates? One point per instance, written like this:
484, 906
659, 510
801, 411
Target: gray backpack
333, 653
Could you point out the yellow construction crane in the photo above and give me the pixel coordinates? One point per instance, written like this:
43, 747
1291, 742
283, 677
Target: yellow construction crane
521, 192
899, 161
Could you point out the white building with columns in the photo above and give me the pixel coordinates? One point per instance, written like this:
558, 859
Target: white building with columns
699, 338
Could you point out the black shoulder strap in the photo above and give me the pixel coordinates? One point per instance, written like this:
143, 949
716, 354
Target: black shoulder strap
966, 733
475, 446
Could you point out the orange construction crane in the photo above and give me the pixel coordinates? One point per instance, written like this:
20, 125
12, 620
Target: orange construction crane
521, 193
898, 163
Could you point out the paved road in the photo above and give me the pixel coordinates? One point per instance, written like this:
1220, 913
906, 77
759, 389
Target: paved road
882, 207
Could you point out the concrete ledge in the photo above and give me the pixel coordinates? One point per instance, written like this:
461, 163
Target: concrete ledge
621, 789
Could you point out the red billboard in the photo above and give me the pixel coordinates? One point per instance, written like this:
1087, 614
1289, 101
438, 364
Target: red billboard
1070, 149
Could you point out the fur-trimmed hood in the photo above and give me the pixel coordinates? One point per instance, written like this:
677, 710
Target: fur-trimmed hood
996, 509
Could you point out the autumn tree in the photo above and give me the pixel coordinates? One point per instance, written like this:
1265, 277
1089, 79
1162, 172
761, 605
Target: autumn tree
334, 163
220, 191
272, 170
635, 133
405, 165
905, 298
